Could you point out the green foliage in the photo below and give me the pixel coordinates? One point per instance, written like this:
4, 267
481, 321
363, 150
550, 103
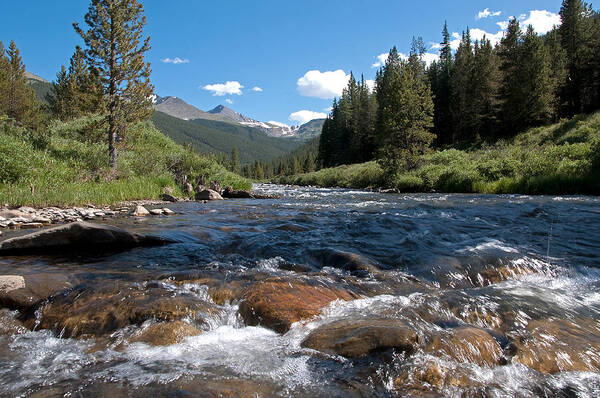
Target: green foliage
71, 168
561, 158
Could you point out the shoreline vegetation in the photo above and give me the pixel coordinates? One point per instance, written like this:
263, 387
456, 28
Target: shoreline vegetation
562, 158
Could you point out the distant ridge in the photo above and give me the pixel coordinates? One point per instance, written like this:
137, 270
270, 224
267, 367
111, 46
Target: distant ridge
31, 76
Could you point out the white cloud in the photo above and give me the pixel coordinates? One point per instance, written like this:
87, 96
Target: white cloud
381, 58
229, 88
257, 89
278, 123
305, 116
370, 84
229, 101
429, 58
542, 21
494, 38
325, 85
328, 109
175, 60
487, 13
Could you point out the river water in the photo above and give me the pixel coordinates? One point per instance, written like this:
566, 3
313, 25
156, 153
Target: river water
501, 264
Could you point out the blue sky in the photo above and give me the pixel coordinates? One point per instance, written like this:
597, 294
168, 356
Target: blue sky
290, 56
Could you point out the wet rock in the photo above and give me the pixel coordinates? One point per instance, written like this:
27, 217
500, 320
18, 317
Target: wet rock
552, 346
432, 376
10, 325
358, 337
23, 292
78, 236
347, 261
230, 193
7, 214
167, 211
276, 303
157, 212
467, 345
167, 197
99, 311
32, 225
140, 211
208, 194
166, 333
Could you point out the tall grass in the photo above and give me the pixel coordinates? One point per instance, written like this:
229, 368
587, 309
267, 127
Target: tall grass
561, 158
67, 165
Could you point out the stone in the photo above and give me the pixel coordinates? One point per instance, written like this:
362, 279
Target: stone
42, 220
25, 209
167, 211
467, 345
78, 236
156, 212
347, 261
140, 211
167, 197
32, 225
2, 219
559, 345
355, 338
7, 214
276, 303
230, 193
23, 292
101, 310
432, 375
208, 194
20, 220
9, 325
215, 186
165, 333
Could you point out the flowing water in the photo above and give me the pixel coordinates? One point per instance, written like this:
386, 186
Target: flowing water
497, 263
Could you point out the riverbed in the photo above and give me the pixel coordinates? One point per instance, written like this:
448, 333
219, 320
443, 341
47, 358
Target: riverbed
500, 293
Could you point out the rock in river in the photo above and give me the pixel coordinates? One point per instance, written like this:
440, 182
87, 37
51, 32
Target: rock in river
276, 303
23, 292
208, 194
354, 338
468, 345
166, 333
77, 236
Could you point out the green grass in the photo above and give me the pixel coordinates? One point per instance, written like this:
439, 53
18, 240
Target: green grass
67, 165
561, 158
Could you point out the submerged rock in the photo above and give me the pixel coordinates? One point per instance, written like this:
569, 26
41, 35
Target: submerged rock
102, 310
78, 236
347, 261
467, 345
559, 345
208, 194
276, 303
358, 337
166, 333
23, 292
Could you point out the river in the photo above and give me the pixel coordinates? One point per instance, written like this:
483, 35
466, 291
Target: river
522, 270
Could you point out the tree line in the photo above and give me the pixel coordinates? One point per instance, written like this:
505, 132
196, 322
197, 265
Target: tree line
478, 92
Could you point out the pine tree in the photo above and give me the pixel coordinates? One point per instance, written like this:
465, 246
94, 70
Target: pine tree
235, 161
4, 69
558, 66
485, 80
440, 77
512, 86
115, 51
462, 91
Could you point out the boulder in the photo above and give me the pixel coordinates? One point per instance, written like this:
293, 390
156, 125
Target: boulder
101, 310
78, 236
167, 211
167, 197
433, 376
276, 303
559, 345
215, 186
11, 213
347, 261
23, 292
467, 345
165, 333
157, 212
230, 193
355, 338
208, 194
9, 325
31, 225
140, 211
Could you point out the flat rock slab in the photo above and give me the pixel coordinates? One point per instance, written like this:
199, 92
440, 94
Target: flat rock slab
78, 236
355, 338
23, 292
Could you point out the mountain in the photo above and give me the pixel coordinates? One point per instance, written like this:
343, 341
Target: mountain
39, 85
180, 109
213, 136
31, 76
310, 129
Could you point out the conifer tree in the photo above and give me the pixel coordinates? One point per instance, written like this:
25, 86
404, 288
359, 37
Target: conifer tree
462, 90
115, 52
511, 87
440, 76
235, 161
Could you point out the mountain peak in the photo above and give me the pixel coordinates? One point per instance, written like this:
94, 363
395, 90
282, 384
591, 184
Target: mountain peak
220, 109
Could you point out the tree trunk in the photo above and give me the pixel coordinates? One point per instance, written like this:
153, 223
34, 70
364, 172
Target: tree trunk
112, 144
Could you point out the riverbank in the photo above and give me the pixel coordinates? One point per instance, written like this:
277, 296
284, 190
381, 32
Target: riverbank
563, 158
66, 165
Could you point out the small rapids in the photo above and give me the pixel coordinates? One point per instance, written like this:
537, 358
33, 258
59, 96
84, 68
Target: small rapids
324, 292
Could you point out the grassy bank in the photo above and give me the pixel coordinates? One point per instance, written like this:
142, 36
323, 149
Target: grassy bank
563, 158
67, 165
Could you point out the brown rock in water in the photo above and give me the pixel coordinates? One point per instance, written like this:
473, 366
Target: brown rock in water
166, 333
102, 310
208, 194
140, 211
347, 261
23, 292
467, 345
433, 376
77, 236
10, 325
559, 345
276, 303
354, 338
230, 193
167, 197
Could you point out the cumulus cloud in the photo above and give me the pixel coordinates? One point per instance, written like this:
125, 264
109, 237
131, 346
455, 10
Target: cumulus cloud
328, 109
229, 101
229, 88
370, 84
305, 116
175, 60
487, 13
542, 21
479, 34
381, 58
257, 89
325, 85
